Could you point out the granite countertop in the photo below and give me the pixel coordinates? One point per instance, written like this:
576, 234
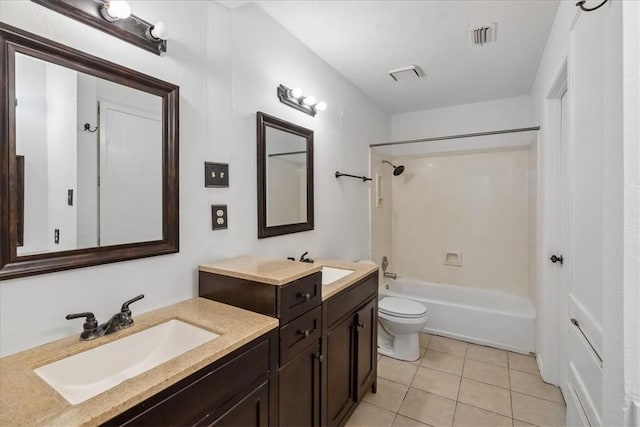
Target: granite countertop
279, 272
26, 399
272, 271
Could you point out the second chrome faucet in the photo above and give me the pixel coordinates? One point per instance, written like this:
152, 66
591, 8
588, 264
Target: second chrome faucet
92, 330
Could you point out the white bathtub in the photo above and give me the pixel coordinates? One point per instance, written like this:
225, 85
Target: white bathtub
487, 317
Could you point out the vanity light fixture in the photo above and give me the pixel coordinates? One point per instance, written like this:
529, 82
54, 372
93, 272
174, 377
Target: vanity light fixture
159, 31
114, 10
296, 99
113, 17
309, 100
296, 92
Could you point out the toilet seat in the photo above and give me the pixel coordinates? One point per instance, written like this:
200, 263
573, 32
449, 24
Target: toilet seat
401, 307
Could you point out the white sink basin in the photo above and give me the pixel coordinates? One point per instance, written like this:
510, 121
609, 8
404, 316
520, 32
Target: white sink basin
87, 374
331, 274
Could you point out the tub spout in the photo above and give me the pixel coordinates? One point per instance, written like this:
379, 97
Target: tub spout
389, 275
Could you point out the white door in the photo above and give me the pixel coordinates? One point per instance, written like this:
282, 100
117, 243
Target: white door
584, 297
563, 256
130, 176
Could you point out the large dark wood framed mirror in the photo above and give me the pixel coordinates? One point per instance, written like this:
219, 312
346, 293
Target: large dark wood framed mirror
88, 156
285, 177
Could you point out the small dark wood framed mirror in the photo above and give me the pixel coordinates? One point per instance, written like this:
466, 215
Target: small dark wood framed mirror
285, 177
89, 159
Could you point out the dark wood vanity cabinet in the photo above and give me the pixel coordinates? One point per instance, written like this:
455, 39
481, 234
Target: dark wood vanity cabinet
253, 410
298, 306
351, 349
327, 349
339, 390
299, 383
365, 351
232, 391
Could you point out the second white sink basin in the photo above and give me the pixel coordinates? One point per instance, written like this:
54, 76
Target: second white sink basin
87, 374
331, 274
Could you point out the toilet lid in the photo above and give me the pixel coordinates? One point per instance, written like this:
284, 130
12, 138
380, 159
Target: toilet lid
401, 307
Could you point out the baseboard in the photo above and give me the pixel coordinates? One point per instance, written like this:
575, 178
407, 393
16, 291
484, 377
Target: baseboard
473, 340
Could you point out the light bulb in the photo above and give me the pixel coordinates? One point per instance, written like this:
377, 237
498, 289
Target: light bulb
321, 106
296, 92
116, 9
309, 100
160, 31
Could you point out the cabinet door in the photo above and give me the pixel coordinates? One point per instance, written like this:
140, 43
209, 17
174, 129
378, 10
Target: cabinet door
252, 411
339, 360
365, 348
300, 389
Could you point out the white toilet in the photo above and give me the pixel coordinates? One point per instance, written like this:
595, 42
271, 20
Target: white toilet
401, 320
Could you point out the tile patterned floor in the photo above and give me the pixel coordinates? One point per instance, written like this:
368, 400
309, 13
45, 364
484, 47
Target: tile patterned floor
458, 384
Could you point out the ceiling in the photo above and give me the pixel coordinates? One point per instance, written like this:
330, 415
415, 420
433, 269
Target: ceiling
363, 39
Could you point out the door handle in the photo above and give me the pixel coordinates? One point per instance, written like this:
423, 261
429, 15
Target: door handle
555, 259
304, 332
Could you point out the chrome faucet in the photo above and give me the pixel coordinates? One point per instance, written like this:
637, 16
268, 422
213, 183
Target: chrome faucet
91, 329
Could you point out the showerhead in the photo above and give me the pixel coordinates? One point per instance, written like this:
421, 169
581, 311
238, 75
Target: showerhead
397, 170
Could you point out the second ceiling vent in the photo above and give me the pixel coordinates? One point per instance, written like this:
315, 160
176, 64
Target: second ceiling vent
482, 34
405, 73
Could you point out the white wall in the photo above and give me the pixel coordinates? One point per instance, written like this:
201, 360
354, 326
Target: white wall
621, 215
476, 204
506, 113
228, 65
265, 55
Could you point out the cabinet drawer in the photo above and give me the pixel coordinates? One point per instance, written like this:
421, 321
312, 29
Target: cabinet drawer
349, 300
202, 393
297, 335
300, 296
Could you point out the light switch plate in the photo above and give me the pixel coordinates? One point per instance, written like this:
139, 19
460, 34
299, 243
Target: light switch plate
219, 217
216, 175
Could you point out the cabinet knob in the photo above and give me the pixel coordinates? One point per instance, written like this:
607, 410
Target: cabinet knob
304, 332
305, 297
361, 325
319, 357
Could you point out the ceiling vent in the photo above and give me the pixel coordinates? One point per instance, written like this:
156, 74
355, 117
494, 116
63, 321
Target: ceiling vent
405, 73
483, 34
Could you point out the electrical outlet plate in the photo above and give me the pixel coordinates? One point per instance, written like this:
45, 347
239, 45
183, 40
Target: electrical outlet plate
219, 217
216, 175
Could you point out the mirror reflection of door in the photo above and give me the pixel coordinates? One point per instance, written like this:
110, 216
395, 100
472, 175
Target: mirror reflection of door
286, 178
64, 207
130, 201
